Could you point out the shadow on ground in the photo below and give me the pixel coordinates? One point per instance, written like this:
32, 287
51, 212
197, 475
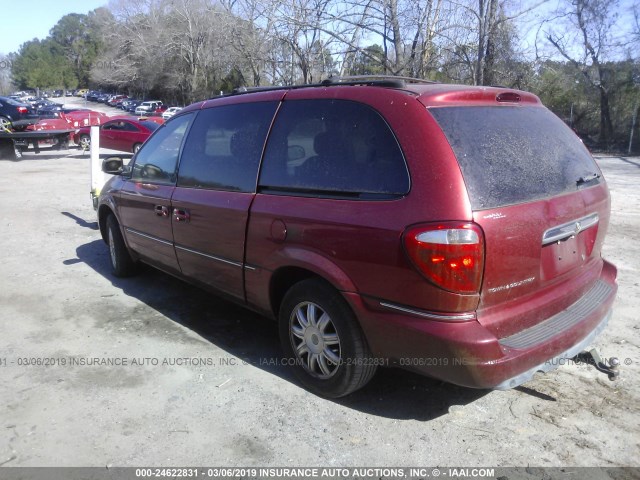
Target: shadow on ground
393, 393
629, 161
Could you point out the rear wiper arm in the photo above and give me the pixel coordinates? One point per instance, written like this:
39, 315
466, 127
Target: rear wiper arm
588, 178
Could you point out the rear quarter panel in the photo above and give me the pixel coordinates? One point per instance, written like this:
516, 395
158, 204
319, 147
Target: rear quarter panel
357, 245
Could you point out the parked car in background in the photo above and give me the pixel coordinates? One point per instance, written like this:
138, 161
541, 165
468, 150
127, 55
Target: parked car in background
117, 103
113, 100
452, 230
159, 111
132, 105
43, 107
93, 95
31, 100
11, 111
41, 102
82, 92
147, 107
128, 101
52, 121
86, 118
57, 93
170, 112
125, 134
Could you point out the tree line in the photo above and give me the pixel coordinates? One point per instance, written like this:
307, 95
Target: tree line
580, 56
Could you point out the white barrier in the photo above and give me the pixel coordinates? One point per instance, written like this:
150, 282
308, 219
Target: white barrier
98, 177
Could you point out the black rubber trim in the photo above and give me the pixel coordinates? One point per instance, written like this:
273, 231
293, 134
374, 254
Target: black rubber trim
561, 321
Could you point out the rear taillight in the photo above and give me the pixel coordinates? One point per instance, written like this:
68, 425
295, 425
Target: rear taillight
22, 110
450, 255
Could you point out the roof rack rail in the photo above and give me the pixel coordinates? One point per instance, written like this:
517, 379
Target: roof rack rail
378, 79
390, 81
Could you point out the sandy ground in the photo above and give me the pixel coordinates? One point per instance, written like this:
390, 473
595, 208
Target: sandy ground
59, 302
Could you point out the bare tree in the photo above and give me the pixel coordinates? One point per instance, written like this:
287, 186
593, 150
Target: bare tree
302, 26
406, 29
585, 39
481, 33
180, 48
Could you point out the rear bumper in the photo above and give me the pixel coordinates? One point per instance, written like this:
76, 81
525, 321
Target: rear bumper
466, 353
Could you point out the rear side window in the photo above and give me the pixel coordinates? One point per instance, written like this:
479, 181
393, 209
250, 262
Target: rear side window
512, 155
224, 147
152, 126
333, 147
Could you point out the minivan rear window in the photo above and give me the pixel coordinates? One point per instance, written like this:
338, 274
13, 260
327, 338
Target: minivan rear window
511, 155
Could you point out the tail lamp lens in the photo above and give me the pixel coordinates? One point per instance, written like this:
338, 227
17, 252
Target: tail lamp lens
449, 255
22, 110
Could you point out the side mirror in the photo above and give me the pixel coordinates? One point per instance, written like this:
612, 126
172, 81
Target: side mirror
112, 165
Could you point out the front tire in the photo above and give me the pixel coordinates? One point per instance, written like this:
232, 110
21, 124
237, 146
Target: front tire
85, 142
122, 265
321, 337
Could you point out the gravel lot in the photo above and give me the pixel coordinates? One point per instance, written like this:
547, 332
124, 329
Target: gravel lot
234, 407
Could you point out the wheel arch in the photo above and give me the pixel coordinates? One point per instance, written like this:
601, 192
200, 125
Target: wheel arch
286, 277
103, 212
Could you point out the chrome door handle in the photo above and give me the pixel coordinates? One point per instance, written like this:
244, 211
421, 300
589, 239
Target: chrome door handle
181, 215
161, 210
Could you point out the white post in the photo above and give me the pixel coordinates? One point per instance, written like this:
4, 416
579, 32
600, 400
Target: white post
97, 175
633, 126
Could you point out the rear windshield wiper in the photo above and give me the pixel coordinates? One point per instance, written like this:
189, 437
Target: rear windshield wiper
587, 178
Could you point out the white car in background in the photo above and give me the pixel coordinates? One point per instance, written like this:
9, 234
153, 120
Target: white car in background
148, 107
170, 112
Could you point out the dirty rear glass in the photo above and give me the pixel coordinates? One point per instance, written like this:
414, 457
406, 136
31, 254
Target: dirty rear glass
512, 155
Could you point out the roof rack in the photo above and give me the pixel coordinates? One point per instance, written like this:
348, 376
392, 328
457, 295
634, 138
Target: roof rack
389, 81
377, 79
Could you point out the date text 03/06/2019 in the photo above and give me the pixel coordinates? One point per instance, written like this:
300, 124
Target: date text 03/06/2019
316, 472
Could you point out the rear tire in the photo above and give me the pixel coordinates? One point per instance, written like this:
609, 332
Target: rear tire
5, 123
321, 338
122, 265
136, 147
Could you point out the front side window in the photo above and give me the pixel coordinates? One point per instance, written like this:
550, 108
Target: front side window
333, 147
224, 147
156, 161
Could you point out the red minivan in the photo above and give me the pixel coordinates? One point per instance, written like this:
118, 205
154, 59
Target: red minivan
452, 230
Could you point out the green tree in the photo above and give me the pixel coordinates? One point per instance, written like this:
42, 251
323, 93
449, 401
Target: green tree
75, 34
369, 61
41, 64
